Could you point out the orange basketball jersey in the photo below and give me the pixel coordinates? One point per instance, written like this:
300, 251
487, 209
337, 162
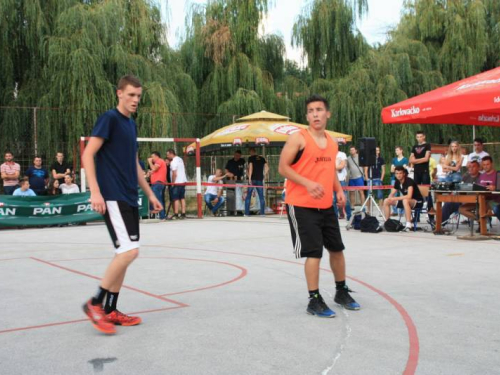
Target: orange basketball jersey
315, 164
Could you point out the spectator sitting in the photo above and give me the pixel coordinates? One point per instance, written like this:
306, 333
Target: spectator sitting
213, 194
38, 176
53, 188
399, 160
10, 174
487, 179
440, 173
471, 177
410, 196
69, 187
24, 190
60, 168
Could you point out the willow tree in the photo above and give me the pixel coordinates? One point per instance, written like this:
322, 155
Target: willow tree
69, 54
230, 61
325, 32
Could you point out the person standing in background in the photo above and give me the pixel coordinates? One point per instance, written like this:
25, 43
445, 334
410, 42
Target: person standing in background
38, 176
257, 171
377, 175
178, 176
420, 155
60, 168
10, 171
341, 165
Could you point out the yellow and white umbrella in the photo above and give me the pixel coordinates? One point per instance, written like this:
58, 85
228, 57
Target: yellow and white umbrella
259, 129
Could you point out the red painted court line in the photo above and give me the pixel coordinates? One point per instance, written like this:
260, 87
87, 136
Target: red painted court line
411, 364
4, 260
414, 346
124, 286
83, 320
243, 273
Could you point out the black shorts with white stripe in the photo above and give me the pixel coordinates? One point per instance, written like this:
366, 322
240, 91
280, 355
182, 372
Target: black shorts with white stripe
122, 221
312, 229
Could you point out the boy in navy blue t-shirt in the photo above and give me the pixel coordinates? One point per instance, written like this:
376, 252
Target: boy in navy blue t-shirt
113, 172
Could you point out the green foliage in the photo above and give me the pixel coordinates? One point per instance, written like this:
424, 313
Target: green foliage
325, 32
69, 54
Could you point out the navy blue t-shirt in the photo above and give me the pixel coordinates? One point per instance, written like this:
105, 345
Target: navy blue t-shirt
37, 177
116, 160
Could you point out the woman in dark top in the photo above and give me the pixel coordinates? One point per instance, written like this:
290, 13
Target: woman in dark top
54, 188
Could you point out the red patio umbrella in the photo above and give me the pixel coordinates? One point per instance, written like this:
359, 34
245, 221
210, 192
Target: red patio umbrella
471, 101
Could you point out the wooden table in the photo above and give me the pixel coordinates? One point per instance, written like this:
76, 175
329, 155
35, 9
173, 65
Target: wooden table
476, 197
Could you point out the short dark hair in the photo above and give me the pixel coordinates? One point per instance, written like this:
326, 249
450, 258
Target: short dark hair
238, 152
317, 98
156, 153
354, 147
23, 180
8, 152
474, 162
478, 140
400, 168
252, 149
128, 80
420, 132
37, 157
171, 151
487, 158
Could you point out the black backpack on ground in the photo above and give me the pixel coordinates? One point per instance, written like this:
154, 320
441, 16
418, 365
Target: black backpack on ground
392, 225
356, 220
370, 224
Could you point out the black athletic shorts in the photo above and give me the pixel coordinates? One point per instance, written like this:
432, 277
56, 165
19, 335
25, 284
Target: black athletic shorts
122, 221
418, 205
312, 229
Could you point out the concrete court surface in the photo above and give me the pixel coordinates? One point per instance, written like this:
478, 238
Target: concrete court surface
226, 296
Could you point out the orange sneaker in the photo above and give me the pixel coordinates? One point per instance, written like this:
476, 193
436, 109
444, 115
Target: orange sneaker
120, 319
98, 318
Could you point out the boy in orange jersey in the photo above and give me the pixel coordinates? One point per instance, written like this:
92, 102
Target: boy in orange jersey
308, 162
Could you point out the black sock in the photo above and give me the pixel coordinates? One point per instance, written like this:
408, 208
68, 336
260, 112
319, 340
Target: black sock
314, 293
340, 285
99, 297
111, 302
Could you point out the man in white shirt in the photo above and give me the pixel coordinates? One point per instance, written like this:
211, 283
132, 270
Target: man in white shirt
177, 176
342, 176
478, 153
213, 194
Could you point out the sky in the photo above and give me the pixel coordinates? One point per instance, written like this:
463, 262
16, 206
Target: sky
381, 17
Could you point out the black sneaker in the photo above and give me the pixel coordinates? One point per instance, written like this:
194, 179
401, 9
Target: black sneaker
318, 307
344, 299
182, 216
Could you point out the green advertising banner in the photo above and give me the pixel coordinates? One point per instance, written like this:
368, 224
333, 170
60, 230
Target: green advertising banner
53, 210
